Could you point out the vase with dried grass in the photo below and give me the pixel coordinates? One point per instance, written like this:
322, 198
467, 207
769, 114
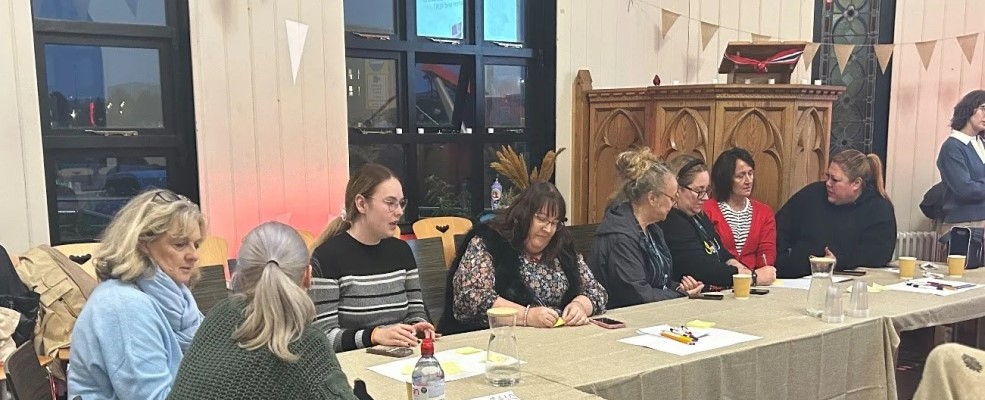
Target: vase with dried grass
512, 165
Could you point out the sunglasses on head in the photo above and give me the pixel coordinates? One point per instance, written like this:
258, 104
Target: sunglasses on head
168, 196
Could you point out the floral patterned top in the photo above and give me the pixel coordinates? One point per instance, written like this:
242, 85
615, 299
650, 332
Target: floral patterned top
474, 284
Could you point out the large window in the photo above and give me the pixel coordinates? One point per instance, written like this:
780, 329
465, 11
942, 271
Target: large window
435, 87
114, 80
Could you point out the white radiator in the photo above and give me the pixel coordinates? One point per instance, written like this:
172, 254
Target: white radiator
922, 245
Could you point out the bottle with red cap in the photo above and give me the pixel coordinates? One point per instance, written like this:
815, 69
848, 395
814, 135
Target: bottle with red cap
428, 379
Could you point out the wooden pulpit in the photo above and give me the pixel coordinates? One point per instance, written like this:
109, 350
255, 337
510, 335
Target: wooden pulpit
758, 62
787, 128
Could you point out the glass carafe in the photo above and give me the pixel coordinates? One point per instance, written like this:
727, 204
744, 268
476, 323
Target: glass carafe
821, 268
502, 355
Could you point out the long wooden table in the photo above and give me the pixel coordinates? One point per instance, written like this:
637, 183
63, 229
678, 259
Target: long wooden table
797, 356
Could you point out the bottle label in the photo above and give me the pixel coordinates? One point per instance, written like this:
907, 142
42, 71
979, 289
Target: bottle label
430, 391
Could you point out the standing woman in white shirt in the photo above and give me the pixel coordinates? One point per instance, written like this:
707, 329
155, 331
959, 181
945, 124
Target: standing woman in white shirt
961, 162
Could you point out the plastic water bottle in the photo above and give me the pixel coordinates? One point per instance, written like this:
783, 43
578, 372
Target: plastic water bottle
495, 194
428, 379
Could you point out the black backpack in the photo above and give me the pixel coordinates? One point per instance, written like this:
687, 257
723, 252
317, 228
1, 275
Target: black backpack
933, 201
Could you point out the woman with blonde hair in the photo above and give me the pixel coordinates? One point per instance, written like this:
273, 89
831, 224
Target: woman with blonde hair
130, 337
366, 287
274, 351
847, 216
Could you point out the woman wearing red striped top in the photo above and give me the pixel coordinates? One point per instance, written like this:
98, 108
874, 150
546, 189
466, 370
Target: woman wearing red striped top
747, 227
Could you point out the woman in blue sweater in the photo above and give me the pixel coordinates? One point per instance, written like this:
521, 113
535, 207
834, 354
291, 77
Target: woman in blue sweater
962, 164
133, 330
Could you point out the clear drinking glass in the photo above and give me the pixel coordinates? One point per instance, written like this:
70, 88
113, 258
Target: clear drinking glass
502, 356
833, 309
821, 268
858, 306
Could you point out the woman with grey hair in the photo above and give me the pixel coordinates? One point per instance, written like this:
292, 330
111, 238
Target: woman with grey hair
131, 335
275, 352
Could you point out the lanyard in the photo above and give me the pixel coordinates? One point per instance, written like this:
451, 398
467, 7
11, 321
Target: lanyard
711, 244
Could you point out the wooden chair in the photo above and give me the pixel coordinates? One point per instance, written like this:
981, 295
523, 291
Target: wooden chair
396, 233
214, 251
308, 237
26, 377
80, 249
584, 237
429, 255
444, 227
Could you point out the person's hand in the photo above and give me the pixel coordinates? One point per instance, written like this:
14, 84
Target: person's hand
402, 335
738, 265
541, 317
425, 330
690, 286
829, 254
765, 276
575, 314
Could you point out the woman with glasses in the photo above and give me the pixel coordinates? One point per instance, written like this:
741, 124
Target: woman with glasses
140, 320
747, 227
523, 258
696, 247
961, 163
366, 287
630, 257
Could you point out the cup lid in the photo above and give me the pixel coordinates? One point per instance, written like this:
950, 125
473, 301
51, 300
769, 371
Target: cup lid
501, 312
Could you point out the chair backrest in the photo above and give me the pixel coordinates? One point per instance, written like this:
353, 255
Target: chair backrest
396, 232
431, 269
308, 237
214, 251
584, 237
211, 288
77, 250
444, 227
26, 378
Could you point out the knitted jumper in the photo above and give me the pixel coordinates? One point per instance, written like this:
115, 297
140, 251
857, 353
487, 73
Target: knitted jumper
216, 368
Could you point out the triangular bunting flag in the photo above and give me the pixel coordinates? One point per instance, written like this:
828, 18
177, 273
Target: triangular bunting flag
926, 50
707, 32
843, 52
810, 50
760, 38
296, 34
668, 19
968, 44
883, 53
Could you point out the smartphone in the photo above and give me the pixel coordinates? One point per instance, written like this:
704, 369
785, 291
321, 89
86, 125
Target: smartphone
390, 351
957, 244
608, 323
708, 296
758, 291
850, 272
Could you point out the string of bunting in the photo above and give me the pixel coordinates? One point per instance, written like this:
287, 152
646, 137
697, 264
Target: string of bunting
843, 52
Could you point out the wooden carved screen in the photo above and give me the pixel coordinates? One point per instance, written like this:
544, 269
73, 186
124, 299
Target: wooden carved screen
618, 129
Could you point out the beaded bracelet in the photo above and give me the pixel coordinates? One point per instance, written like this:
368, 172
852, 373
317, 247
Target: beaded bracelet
525, 312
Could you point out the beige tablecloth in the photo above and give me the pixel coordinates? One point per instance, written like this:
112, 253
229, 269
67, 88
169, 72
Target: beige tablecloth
909, 311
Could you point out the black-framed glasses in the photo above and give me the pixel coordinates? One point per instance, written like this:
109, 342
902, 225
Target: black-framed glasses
545, 220
168, 196
393, 203
701, 193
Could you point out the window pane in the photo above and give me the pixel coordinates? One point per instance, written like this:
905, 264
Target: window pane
502, 21
439, 96
369, 16
441, 19
389, 155
93, 86
508, 193
372, 87
505, 96
443, 176
90, 190
142, 12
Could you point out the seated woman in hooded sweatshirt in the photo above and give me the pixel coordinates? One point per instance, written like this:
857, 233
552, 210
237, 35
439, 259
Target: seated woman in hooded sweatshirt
630, 257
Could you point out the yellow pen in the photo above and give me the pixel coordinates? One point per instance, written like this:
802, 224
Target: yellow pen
679, 338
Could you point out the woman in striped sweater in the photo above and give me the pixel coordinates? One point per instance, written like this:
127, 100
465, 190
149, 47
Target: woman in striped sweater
747, 227
366, 287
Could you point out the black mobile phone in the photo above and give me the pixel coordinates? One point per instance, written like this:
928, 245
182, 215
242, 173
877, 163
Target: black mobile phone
957, 244
390, 351
758, 291
708, 296
850, 273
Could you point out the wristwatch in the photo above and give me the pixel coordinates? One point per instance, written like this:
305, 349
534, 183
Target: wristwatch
753, 277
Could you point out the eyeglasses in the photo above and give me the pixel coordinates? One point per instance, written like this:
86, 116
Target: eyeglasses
545, 220
701, 193
168, 196
393, 203
673, 199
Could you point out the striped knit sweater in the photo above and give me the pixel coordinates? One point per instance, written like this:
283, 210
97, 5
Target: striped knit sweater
739, 221
359, 287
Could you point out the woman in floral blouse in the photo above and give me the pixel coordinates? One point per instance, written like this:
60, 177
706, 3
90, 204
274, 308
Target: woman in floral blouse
524, 259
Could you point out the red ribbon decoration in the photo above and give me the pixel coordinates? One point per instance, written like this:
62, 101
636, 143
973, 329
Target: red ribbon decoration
790, 56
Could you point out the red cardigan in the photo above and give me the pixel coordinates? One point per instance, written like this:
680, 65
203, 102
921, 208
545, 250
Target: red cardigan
760, 241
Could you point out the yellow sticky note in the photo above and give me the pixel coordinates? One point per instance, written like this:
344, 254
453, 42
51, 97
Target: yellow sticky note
407, 369
450, 368
876, 288
496, 357
560, 321
700, 324
778, 282
467, 350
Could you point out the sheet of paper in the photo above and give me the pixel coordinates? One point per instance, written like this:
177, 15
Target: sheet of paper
805, 282
457, 363
925, 286
716, 338
499, 396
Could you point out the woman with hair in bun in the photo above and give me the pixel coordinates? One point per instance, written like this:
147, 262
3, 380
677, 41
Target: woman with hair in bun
630, 257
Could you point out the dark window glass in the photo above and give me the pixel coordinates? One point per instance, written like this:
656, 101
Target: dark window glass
98, 86
389, 155
443, 19
443, 96
501, 21
141, 12
505, 96
372, 92
490, 176
369, 16
90, 190
443, 179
